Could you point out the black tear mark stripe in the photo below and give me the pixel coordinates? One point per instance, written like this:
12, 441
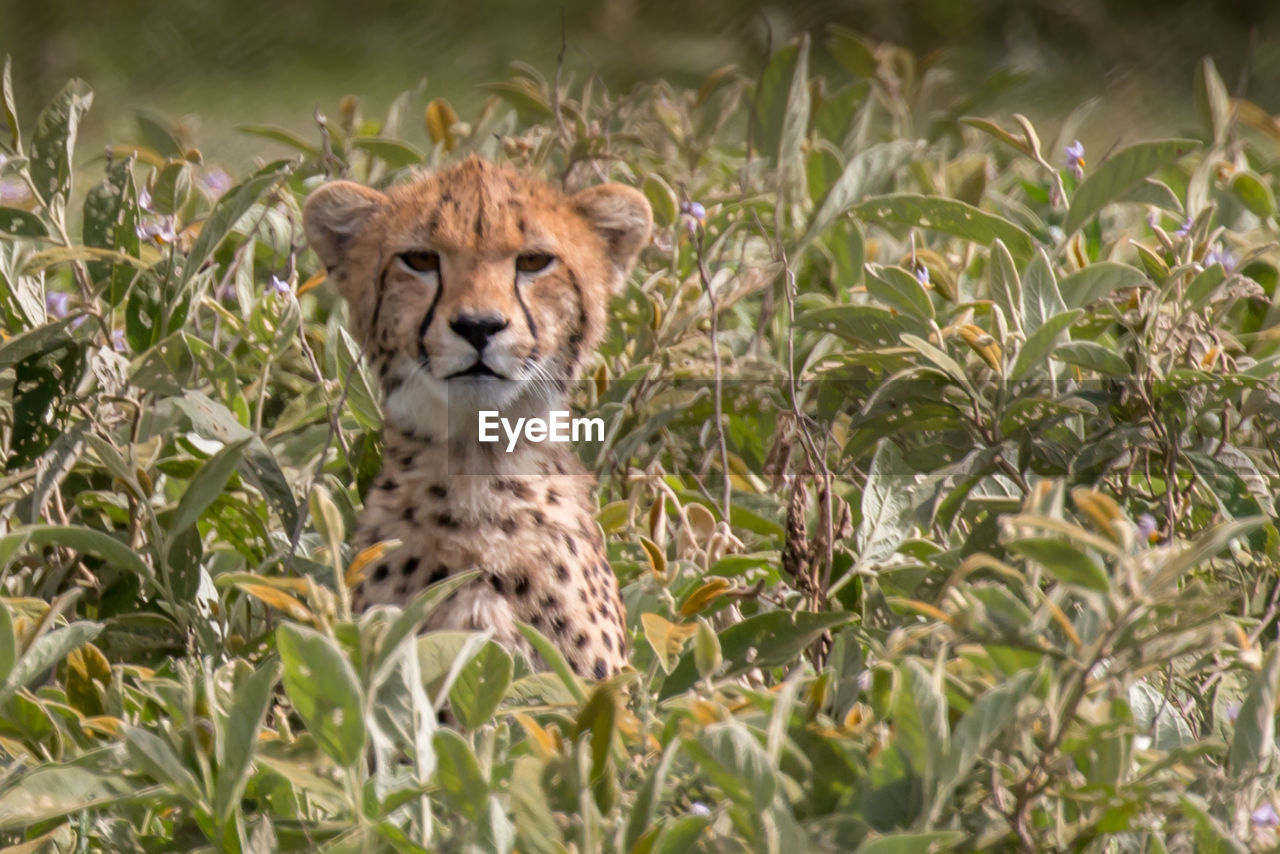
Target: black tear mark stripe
426, 321
528, 318
576, 335
379, 286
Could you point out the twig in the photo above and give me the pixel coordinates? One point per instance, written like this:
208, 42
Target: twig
718, 392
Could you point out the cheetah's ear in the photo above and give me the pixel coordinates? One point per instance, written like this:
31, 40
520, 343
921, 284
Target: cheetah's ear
334, 214
622, 216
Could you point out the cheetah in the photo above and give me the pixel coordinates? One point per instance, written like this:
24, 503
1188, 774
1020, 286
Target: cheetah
473, 288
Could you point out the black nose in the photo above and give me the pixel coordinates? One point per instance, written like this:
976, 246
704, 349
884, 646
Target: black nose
478, 328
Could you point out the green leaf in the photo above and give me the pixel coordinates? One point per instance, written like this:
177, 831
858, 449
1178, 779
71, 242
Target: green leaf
9, 105
393, 152
977, 731
865, 326
215, 421
54, 140
172, 187
598, 718
104, 206
911, 843
769, 110
941, 360
795, 119
898, 289
1085, 287
762, 640
282, 136
46, 651
920, 724
481, 685
662, 199
866, 173
852, 50
1119, 174
1254, 193
458, 774
16, 222
1035, 352
408, 622
1254, 741
239, 741
1092, 356
54, 790
949, 216
85, 540
233, 205
205, 487
1006, 284
1212, 100
156, 758
735, 762
886, 506
644, 808
1206, 546
1041, 298
8, 644
554, 658
324, 689
1065, 562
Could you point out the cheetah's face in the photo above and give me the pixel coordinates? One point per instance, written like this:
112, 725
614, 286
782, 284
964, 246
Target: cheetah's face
475, 286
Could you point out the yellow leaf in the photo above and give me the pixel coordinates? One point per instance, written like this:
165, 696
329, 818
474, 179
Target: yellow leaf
666, 638
544, 744
355, 572
1063, 623
1102, 509
657, 560
103, 725
279, 600
440, 121
312, 282
699, 599
981, 342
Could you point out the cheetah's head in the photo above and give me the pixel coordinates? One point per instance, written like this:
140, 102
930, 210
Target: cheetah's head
476, 286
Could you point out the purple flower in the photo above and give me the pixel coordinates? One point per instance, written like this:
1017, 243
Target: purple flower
1221, 255
1147, 527
700, 809
1184, 229
144, 200
279, 286
216, 182
1233, 711
57, 304
1265, 816
1075, 158
13, 191
694, 209
158, 230
117, 340
922, 274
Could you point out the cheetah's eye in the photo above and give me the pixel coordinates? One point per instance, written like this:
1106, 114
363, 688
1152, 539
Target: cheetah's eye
534, 262
423, 262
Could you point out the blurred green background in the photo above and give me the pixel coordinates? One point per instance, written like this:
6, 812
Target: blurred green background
218, 64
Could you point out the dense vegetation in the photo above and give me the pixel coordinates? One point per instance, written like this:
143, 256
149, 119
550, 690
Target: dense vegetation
980, 555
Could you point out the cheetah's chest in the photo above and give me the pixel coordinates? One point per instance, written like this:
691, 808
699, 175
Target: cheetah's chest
534, 539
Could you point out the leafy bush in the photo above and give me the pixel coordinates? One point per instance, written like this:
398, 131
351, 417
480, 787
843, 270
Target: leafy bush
980, 555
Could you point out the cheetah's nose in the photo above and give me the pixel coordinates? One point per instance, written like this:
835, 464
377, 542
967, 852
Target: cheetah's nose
478, 328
